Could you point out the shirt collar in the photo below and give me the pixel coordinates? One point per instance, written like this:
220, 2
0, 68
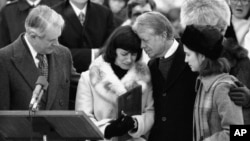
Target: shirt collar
172, 49
32, 50
77, 10
35, 3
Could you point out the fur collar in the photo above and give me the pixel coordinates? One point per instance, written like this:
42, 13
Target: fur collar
105, 82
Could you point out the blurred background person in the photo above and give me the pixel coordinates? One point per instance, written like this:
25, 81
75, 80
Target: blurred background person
84, 39
118, 8
136, 8
174, 17
12, 17
164, 6
118, 70
240, 22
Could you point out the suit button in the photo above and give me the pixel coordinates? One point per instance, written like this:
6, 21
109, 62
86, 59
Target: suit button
164, 94
163, 119
61, 103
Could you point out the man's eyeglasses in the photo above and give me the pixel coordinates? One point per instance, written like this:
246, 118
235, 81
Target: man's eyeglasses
243, 2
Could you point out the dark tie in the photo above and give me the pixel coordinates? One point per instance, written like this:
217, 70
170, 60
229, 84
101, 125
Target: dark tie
43, 65
81, 17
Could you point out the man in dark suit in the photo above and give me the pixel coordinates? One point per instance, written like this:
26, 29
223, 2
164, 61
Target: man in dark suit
84, 40
173, 81
20, 67
12, 18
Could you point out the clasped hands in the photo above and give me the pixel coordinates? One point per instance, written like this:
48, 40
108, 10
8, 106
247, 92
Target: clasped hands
119, 126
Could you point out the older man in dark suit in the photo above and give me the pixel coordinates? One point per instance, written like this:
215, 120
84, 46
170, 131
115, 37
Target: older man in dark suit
12, 18
84, 39
20, 66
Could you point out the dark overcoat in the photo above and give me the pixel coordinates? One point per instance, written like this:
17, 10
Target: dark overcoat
174, 100
18, 74
81, 39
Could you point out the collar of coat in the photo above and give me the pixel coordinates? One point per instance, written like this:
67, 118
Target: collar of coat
104, 80
211, 81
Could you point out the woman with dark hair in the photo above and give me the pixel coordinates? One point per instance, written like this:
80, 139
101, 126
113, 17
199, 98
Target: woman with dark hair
214, 111
117, 70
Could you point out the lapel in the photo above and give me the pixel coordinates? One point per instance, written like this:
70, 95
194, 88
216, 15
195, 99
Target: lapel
157, 78
72, 18
23, 5
177, 67
54, 76
24, 62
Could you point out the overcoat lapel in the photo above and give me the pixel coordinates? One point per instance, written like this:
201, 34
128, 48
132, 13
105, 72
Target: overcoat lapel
54, 75
24, 62
72, 19
178, 65
157, 76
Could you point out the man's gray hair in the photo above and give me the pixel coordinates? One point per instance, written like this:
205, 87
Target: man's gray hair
205, 12
155, 21
40, 18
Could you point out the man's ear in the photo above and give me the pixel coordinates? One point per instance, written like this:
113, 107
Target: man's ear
165, 35
32, 34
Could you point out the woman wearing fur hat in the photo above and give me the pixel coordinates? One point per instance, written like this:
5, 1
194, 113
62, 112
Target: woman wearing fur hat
118, 70
213, 110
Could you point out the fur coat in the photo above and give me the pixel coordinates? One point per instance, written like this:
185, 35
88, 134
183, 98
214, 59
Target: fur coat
99, 88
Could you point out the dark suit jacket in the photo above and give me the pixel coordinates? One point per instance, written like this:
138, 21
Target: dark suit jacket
174, 100
18, 74
12, 19
81, 39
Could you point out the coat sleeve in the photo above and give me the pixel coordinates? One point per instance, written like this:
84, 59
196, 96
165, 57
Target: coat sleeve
146, 120
229, 113
84, 101
4, 30
4, 86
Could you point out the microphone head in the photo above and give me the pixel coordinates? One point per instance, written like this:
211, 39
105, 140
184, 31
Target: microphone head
43, 82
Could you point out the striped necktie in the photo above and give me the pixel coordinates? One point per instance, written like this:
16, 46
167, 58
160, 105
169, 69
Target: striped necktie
42, 65
81, 17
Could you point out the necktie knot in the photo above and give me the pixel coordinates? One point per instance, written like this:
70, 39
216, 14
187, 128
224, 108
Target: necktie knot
39, 56
81, 17
42, 65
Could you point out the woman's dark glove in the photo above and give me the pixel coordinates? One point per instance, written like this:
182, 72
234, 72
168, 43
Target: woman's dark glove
128, 123
119, 127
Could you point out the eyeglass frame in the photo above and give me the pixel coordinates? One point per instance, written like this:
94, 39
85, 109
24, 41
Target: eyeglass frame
243, 2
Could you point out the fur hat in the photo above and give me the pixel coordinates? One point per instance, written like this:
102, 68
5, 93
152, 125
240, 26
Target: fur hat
206, 40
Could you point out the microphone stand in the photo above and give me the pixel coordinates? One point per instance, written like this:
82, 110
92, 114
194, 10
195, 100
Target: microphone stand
35, 107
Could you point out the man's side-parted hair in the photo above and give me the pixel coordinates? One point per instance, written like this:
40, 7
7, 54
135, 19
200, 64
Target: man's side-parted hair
124, 38
205, 12
40, 18
155, 21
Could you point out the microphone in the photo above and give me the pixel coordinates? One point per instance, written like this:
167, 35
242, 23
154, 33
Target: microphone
41, 86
